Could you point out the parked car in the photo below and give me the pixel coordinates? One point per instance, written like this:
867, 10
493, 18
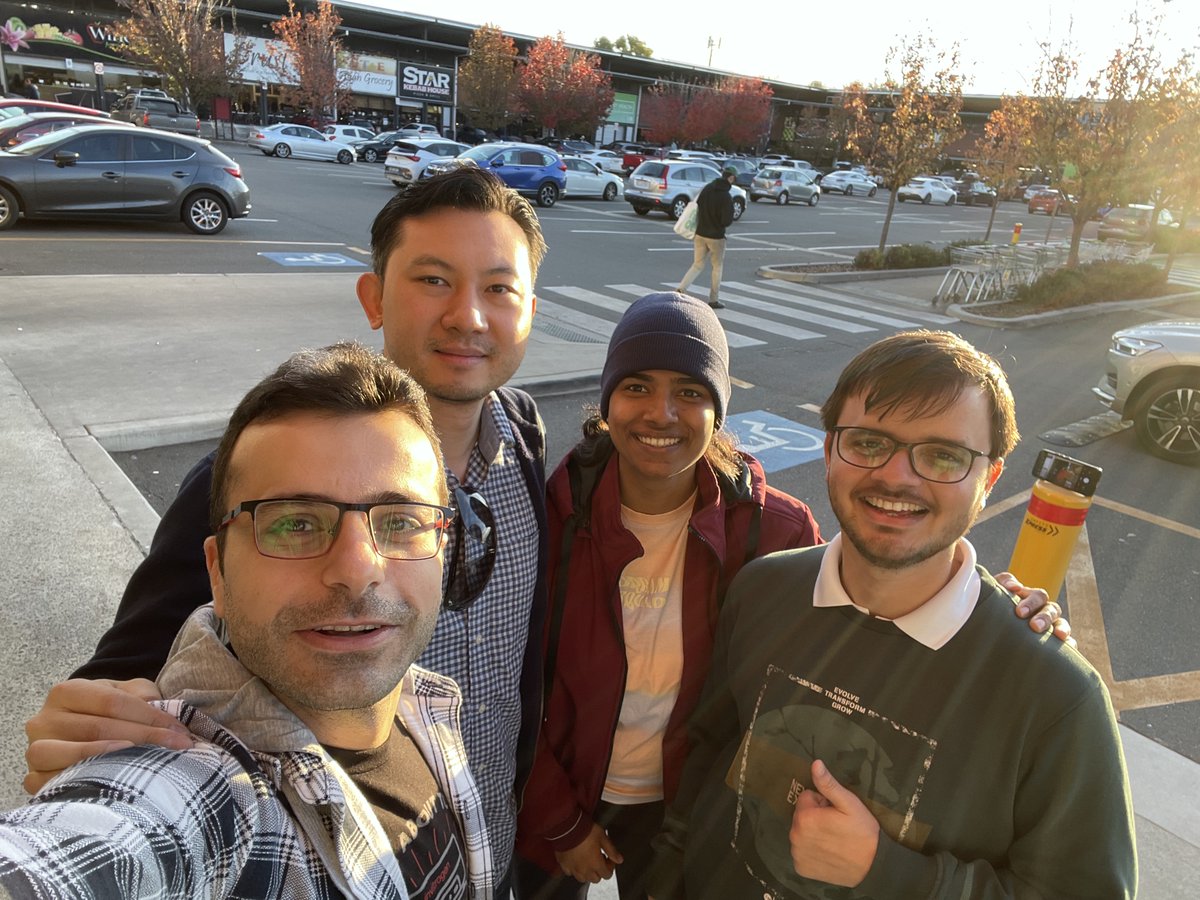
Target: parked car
154, 109
289, 139
565, 146
407, 159
348, 134
1153, 379
785, 185
377, 147
110, 171
849, 182
586, 179
19, 106
1031, 190
927, 190
1051, 203
608, 160
18, 129
973, 192
469, 134
635, 156
746, 170
531, 169
1132, 223
669, 185
419, 130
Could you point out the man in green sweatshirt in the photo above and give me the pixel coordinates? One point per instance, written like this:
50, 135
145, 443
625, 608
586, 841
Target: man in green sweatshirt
876, 723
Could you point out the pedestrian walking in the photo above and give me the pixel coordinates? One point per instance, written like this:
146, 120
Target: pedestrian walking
715, 214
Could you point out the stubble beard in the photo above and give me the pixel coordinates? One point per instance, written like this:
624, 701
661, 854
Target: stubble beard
876, 555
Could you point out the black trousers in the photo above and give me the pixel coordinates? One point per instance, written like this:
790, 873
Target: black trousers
630, 828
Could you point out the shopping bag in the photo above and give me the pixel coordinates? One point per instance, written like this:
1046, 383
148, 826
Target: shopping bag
685, 225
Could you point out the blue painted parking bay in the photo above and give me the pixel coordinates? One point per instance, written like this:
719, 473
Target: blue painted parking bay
323, 260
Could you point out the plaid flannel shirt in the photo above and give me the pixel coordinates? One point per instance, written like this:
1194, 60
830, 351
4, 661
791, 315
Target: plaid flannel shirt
255, 809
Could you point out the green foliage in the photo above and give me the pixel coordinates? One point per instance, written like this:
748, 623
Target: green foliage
1092, 283
907, 256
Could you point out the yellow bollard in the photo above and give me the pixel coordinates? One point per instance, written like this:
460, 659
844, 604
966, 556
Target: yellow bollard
1062, 495
1016, 233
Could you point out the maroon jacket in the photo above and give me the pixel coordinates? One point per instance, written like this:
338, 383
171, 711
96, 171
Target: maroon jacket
584, 699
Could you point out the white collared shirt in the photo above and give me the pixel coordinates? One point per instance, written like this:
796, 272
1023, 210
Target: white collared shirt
932, 623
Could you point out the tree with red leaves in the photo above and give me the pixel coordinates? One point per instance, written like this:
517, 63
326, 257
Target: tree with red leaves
308, 70
664, 113
564, 90
747, 112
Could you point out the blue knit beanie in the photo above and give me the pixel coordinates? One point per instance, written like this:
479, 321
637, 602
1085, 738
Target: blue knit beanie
669, 331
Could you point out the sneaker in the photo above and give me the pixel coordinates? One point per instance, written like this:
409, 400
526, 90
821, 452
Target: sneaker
717, 304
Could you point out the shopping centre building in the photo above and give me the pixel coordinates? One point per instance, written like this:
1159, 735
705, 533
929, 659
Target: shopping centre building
400, 68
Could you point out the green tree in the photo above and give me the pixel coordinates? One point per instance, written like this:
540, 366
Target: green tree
904, 126
626, 43
1172, 164
564, 90
487, 80
1097, 142
1003, 149
307, 66
184, 40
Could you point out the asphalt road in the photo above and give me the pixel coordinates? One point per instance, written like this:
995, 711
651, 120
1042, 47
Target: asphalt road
1143, 540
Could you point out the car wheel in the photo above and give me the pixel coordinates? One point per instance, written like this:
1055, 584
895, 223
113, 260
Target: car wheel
204, 213
283, 151
370, 155
925, 200
814, 198
678, 205
849, 191
900, 199
1167, 419
739, 207
782, 199
9, 211
872, 192
610, 191
345, 157
642, 210
950, 200
547, 194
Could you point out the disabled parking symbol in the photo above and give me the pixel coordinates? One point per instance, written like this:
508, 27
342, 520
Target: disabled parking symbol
326, 260
776, 442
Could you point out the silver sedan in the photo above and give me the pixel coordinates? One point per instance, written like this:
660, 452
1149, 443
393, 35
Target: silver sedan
288, 139
849, 183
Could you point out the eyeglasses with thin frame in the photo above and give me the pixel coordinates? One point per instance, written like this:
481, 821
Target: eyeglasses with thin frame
294, 528
474, 553
938, 461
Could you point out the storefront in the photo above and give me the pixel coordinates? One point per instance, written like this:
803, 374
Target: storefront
425, 94
66, 56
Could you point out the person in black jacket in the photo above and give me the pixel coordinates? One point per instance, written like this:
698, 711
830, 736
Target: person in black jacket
454, 262
715, 207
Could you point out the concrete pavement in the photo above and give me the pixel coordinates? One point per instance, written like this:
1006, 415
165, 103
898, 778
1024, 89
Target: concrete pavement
73, 527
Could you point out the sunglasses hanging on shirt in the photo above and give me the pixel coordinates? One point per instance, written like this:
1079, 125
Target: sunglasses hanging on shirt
474, 550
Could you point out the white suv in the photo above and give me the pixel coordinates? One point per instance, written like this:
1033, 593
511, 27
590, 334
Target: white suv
347, 134
1153, 378
408, 158
670, 184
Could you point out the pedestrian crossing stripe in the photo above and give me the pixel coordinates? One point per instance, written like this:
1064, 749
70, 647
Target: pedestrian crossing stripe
750, 308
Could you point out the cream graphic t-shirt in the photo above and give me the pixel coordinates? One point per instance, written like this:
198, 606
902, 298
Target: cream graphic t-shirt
651, 598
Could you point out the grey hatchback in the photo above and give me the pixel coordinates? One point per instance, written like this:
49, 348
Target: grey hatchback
784, 185
114, 172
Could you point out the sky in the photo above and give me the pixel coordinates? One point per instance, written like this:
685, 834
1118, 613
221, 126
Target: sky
802, 44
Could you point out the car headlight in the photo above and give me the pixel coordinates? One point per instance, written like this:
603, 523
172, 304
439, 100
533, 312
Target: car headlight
1132, 346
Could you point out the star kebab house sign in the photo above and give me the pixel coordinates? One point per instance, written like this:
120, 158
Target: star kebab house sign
429, 83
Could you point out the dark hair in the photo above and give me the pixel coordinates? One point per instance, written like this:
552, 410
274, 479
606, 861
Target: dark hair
721, 453
470, 189
924, 373
339, 380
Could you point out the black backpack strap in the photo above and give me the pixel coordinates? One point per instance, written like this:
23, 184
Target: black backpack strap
583, 479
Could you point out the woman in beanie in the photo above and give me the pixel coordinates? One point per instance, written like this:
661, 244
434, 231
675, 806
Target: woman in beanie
650, 516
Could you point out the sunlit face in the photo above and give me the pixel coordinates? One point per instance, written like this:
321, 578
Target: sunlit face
892, 517
455, 303
661, 424
288, 618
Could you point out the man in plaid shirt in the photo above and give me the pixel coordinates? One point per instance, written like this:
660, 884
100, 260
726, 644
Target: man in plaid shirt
323, 763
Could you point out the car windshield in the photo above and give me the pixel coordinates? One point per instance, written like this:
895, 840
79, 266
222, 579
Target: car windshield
479, 154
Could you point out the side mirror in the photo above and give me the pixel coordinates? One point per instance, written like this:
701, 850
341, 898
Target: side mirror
64, 158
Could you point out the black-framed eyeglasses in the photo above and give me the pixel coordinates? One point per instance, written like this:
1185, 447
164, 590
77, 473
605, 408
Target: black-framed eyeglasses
474, 555
938, 461
294, 528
